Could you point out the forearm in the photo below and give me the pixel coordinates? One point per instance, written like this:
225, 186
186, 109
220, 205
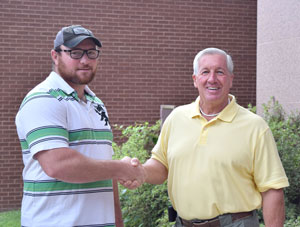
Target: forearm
273, 208
70, 166
156, 172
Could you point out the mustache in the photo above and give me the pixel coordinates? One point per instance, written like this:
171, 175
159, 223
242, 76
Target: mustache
85, 68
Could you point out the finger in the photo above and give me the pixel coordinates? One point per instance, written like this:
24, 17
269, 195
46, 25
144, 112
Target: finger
127, 184
135, 162
133, 185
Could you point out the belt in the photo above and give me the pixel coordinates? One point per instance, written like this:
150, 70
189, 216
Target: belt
215, 222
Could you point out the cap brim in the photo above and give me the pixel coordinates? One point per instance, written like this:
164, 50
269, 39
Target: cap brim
76, 40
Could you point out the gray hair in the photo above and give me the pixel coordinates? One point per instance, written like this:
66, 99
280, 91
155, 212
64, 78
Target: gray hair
212, 50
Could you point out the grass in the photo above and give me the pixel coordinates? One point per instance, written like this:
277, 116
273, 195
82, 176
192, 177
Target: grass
10, 219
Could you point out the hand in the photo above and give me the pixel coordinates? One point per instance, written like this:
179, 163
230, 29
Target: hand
136, 176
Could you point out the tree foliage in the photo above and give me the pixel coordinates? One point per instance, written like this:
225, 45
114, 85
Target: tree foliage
286, 131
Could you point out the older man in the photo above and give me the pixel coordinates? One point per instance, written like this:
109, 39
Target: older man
220, 159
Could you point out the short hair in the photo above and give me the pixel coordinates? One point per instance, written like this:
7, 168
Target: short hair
212, 50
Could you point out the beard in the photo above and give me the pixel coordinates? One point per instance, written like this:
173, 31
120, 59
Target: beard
73, 76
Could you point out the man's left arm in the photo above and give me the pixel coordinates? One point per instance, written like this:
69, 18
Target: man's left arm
273, 207
118, 212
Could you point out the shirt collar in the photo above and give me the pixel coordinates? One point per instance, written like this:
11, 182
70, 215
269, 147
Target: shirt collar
60, 83
227, 114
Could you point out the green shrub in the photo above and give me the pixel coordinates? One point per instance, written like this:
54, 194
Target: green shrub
286, 131
146, 205
292, 222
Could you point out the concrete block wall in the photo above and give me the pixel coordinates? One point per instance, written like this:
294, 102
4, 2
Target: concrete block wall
278, 54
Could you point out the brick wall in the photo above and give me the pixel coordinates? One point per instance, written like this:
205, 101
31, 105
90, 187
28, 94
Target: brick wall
146, 61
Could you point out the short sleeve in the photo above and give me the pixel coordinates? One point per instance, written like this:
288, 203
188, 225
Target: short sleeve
42, 123
268, 170
159, 152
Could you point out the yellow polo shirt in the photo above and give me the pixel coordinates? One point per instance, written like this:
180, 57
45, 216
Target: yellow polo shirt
220, 166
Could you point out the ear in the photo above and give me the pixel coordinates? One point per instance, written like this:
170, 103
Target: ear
54, 56
195, 80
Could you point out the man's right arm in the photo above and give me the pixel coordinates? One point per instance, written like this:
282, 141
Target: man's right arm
68, 165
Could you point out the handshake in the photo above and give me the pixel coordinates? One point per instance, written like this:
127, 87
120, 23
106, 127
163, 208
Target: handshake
134, 175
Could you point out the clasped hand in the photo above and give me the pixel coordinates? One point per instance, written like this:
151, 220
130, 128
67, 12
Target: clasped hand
136, 175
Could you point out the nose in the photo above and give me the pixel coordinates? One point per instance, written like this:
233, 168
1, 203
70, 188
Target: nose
84, 59
212, 77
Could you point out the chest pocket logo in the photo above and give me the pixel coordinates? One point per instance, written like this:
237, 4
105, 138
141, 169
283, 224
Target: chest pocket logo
99, 110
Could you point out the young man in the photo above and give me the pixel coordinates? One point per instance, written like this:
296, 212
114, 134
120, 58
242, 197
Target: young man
66, 139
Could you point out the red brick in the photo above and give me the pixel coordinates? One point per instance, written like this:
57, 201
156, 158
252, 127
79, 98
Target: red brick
146, 59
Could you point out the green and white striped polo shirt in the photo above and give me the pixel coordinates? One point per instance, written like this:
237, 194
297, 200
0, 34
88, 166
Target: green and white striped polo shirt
52, 116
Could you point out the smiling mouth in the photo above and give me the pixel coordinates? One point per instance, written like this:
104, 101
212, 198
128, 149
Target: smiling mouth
212, 88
